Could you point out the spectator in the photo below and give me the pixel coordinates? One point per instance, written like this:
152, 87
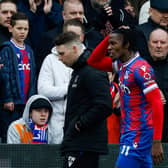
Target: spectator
139, 97
53, 82
158, 18
106, 15
71, 9
33, 126
43, 16
88, 105
113, 121
18, 74
75, 26
137, 5
130, 8
7, 9
158, 48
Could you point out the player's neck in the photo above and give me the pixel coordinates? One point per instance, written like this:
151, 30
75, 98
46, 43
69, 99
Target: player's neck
127, 56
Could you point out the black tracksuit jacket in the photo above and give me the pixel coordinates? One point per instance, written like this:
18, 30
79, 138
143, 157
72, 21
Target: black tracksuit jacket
88, 103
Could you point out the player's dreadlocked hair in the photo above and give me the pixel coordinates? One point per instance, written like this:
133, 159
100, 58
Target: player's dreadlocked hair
129, 36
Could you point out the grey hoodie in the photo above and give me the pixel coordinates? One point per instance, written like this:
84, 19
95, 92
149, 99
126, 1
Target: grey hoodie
12, 135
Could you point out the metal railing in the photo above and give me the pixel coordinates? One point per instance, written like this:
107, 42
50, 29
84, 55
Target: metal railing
48, 156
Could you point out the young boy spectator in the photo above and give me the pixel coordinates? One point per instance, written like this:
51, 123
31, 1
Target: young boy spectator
34, 122
17, 75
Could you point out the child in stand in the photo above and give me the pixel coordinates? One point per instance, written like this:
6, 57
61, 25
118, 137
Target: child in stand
18, 76
32, 127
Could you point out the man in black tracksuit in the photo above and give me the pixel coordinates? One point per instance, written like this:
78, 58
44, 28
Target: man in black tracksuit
89, 103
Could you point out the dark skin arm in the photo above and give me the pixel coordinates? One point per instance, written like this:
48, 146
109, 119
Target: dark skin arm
157, 152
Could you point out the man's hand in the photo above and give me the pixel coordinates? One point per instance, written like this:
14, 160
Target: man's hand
157, 152
47, 6
108, 10
33, 6
9, 106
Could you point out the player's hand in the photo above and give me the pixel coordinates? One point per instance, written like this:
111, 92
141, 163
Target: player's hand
9, 106
33, 6
157, 152
47, 6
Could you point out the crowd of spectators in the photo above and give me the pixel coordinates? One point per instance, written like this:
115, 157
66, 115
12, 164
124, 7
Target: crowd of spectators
29, 62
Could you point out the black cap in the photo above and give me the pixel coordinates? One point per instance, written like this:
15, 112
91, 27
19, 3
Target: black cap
161, 5
41, 103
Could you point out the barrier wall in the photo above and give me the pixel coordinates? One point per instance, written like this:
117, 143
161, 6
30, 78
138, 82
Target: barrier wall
48, 156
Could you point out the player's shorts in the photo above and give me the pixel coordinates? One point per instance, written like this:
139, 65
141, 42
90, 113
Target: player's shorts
133, 162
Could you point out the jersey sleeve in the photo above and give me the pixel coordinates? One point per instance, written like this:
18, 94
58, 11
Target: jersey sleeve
98, 58
145, 77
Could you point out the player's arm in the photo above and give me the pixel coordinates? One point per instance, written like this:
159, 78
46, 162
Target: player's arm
154, 98
98, 58
144, 75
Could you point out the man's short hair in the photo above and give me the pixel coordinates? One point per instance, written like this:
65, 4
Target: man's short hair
74, 22
17, 16
158, 28
71, 2
6, 1
66, 38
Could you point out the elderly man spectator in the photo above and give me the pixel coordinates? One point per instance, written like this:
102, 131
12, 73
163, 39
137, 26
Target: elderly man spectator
7, 9
158, 18
158, 48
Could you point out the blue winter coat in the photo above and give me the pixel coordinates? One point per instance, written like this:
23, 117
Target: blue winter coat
9, 75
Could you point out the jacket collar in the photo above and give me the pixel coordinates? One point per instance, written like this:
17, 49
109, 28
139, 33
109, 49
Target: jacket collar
82, 60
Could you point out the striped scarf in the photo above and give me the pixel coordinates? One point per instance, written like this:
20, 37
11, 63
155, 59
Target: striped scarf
39, 133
